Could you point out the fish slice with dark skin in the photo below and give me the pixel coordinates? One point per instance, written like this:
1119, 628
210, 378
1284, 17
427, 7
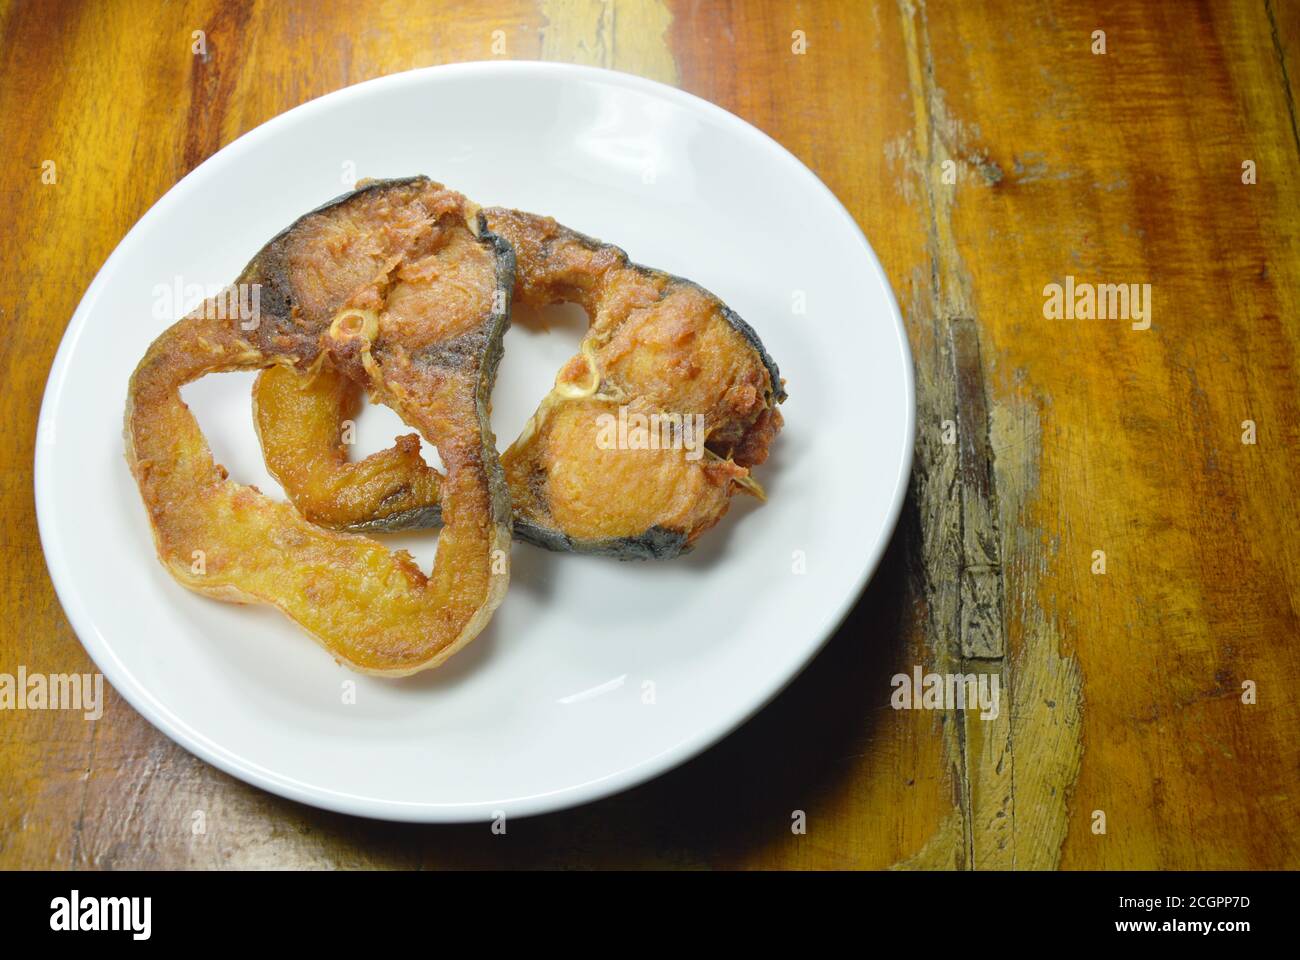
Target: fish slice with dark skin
397, 287
657, 347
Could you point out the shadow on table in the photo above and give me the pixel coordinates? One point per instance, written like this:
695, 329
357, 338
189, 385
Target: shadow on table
724, 807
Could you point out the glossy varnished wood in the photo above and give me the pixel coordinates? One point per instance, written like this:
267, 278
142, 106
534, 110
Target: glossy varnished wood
1122, 690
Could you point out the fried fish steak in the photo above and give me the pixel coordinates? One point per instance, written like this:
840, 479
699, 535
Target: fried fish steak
635, 452
400, 288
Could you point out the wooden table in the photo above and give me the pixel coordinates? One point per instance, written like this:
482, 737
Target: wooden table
988, 151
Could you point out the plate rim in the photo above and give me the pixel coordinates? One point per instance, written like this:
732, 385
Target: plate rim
101, 652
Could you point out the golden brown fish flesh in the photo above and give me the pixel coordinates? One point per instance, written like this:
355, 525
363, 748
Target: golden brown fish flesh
637, 450
398, 287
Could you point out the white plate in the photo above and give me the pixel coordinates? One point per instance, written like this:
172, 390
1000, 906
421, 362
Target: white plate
594, 675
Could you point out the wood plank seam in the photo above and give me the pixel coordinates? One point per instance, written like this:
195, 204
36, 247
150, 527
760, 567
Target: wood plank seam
1286, 76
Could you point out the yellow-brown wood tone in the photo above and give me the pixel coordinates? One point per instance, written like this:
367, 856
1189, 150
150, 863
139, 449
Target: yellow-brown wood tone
1122, 690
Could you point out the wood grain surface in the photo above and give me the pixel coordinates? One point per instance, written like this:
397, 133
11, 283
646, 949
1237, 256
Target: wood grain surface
987, 151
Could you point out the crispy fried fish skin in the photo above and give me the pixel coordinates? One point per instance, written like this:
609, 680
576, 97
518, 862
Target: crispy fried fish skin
392, 286
657, 345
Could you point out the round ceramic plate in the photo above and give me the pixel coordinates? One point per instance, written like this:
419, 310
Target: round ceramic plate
594, 675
